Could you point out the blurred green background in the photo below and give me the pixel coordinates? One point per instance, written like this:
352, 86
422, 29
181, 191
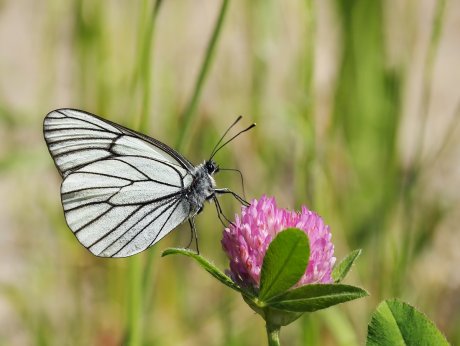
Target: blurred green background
357, 111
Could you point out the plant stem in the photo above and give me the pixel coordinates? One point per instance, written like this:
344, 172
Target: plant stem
273, 334
306, 166
145, 67
145, 64
134, 331
437, 26
411, 180
189, 112
136, 271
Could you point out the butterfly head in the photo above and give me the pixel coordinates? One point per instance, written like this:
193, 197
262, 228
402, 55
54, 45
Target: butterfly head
211, 167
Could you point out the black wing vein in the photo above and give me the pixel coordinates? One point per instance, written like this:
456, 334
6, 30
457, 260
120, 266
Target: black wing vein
168, 206
122, 191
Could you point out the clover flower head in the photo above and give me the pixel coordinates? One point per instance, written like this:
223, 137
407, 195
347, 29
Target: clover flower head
247, 239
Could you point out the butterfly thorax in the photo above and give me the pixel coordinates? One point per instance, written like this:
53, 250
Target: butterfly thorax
202, 186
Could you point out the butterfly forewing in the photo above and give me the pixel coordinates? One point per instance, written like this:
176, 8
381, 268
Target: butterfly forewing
122, 191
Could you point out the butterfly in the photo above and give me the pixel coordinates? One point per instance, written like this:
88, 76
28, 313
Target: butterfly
123, 191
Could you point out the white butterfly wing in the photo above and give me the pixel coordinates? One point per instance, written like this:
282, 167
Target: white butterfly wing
122, 191
76, 138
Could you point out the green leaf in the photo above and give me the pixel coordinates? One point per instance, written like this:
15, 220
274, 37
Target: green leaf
284, 263
314, 297
398, 323
342, 269
205, 264
271, 315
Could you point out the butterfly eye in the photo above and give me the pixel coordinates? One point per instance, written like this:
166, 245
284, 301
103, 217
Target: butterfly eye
211, 167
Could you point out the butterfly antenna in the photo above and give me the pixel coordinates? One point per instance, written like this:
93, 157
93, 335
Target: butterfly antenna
223, 136
241, 177
231, 139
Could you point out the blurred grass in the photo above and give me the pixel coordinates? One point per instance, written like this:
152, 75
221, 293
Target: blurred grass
335, 132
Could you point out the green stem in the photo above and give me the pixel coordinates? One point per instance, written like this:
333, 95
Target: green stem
307, 111
145, 67
136, 269
190, 113
273, 334
149, 278
411, 180
134, 330
438, 22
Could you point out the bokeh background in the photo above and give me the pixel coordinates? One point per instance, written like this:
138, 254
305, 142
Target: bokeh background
357, 111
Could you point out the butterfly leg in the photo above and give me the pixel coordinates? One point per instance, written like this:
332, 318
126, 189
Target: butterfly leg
241, 177
224, 191
191, 222
220, 213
